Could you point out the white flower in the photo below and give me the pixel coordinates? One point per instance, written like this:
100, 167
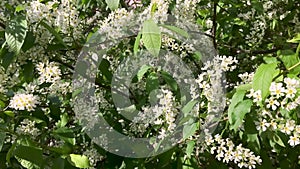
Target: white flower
272, 103
294, 140
273, 125
262, 125
290, 92
209, 140
291, 82
24, 101
48, 72
256, 95
277, 89
134, 3
27, 127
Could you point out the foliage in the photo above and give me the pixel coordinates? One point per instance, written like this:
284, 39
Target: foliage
258, 46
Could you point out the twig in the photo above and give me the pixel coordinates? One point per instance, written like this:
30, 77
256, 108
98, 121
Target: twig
214, 20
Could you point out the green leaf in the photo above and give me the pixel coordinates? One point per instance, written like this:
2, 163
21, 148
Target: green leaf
10, 152
152, 82
58, 163
151, 37
53, 32
112, 4
79, 161
28, 71
253, 141
31, 154
176, 30
296, 39
244, 87
289, 59
263, 78
142, 71
278, 140
9, 113
169, 80
236, 98
137, 43
27, 164
19, 8
189, 106
239, 113
15, 33
29, 41
2, 139
190, 148
189, 129
6, 58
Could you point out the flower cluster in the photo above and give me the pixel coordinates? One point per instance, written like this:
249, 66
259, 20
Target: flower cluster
24, 102
161, 114
134, 3
209, 80
226, 151
183, 49
94, 157
27, 127
49, 72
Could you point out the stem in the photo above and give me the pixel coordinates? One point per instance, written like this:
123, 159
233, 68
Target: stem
297, 64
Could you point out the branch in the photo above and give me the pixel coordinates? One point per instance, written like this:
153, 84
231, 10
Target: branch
214, 20
253, 52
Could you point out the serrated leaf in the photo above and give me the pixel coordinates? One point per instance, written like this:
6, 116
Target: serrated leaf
263, 78
112, 4
176, 30
151, 37
79, 161
239, 113
15, 33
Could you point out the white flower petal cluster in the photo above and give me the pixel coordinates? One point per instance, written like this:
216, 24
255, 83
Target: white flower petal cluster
246, 77
24, 102
49, 72
290, 128
94, 157
27, 127
134, 3
256, 95
163, 113
63, 15
226, 151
